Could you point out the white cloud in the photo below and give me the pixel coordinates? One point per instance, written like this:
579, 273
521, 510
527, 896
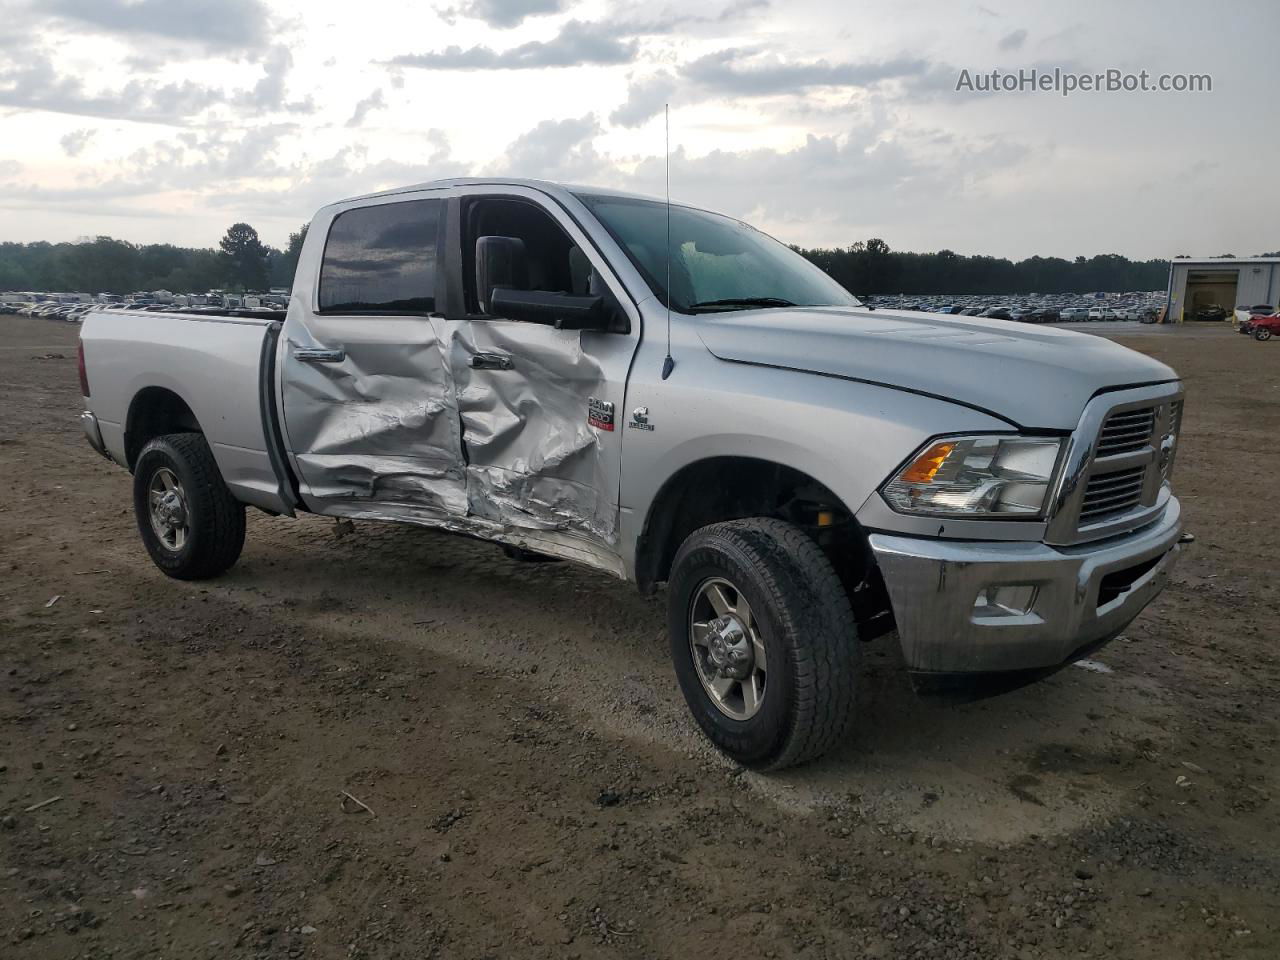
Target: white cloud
222, 25
646, 97
374, 101
506, 13
821, 124
577, 44
555, 150
75, 141
37, 83
1013, 41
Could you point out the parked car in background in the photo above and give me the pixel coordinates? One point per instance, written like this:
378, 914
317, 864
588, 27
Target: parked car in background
1255, 314
1264, 328
1095, 313
996, 313
1210, 312
1245, 323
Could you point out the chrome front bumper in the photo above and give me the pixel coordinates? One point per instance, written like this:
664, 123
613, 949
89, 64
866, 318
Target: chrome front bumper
1074, 598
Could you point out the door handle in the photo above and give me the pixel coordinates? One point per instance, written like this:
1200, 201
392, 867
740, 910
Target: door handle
310, 355
490, 361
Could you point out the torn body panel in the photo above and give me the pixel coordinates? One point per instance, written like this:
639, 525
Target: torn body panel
377, 421
552, 543
533, 460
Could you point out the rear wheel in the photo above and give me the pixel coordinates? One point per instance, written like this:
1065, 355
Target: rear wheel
763, 641
189, 522
1262, 333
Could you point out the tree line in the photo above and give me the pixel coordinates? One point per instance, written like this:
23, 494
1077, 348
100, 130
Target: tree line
241, 262
872, 268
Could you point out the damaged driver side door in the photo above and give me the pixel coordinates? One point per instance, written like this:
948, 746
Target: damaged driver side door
540, 407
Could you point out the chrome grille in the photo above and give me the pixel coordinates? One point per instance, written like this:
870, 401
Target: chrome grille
1110, 494
1118, 463
1175, 431
1126, 431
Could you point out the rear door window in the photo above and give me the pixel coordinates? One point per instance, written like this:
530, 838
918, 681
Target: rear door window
381, 259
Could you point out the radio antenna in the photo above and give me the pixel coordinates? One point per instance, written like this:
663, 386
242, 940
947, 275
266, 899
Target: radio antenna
668, 364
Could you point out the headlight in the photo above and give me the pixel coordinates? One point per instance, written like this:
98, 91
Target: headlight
985, 476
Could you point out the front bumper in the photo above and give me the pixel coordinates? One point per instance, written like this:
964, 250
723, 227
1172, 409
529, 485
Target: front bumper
1081, 597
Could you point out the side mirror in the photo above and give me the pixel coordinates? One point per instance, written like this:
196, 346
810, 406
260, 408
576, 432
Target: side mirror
564, 311
500, 262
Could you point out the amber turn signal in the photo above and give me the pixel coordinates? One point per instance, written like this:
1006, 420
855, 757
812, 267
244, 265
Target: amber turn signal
923, 468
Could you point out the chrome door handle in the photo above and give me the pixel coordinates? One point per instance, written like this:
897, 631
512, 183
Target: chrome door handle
308, 355
490, 361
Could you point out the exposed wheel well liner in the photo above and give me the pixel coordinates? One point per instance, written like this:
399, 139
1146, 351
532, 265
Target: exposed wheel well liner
154, 412
733, 488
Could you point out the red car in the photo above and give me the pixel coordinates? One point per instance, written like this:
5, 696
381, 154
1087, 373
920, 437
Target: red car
1263, 327
1262, 310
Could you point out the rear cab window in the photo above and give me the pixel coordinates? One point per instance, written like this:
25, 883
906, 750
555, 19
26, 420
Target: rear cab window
381, 259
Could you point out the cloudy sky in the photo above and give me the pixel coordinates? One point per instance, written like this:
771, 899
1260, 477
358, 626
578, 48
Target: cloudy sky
822, 121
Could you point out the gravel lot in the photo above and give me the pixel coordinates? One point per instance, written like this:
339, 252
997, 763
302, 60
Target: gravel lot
173, 756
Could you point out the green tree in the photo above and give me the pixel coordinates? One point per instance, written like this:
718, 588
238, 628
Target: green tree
288, 265
244, 258
101, 265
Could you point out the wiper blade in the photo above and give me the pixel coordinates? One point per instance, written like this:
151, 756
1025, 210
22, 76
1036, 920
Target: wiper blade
743, 302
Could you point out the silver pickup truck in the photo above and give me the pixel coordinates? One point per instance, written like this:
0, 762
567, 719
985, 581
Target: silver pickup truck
667, 395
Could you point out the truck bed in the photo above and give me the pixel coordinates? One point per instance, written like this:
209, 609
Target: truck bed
219, 366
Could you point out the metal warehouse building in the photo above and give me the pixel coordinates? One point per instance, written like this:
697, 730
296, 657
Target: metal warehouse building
1225, 281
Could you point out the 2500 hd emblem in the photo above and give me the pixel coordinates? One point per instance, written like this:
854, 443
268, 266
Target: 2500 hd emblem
599, 413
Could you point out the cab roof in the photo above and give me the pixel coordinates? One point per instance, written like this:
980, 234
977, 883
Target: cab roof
546, 186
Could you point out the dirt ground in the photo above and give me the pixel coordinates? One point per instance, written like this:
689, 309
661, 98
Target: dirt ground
174, 758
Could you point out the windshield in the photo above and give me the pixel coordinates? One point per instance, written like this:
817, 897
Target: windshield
717, 263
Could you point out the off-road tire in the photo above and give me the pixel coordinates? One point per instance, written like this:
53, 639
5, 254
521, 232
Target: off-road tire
215, 534
807, 626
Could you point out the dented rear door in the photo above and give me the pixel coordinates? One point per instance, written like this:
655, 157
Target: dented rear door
365, 390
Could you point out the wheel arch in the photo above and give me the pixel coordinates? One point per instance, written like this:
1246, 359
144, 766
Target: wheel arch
728, 487
153, 412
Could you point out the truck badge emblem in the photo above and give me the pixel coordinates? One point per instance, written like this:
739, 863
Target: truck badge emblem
640, 419
600, 413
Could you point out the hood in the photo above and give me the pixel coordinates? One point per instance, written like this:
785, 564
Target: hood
1035, 377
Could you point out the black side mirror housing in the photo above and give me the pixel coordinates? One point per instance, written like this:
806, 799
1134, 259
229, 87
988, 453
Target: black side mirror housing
502, 281
500, 262
564, 311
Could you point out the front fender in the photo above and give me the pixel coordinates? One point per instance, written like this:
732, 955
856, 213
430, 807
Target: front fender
846, 435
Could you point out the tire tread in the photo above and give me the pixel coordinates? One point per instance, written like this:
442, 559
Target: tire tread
816, 620
219, 536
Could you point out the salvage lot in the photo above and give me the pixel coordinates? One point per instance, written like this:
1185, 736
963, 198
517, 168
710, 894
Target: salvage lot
535, 787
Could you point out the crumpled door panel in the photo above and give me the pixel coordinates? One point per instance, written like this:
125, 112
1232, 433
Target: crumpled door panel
532, 459
380, 425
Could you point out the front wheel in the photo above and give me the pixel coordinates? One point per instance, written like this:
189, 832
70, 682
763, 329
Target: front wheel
763, 641
1262, 333
189, 522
